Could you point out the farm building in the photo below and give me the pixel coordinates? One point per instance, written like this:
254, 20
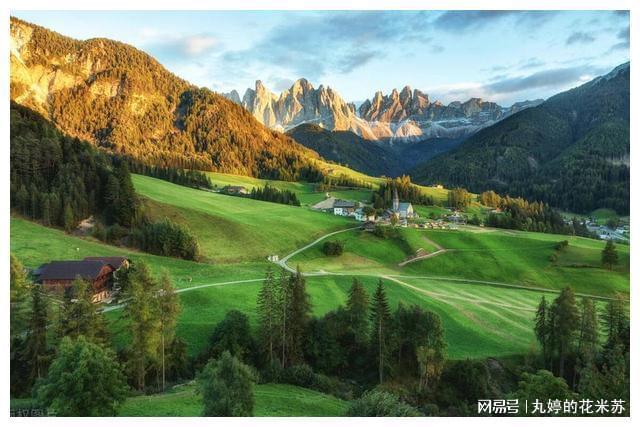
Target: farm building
100, 272
235, 189
344, 207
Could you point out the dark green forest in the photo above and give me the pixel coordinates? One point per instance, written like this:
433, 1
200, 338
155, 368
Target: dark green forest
572, 151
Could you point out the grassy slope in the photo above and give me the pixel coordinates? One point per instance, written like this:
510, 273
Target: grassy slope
474, 315
492, 255
202, 308
231, 229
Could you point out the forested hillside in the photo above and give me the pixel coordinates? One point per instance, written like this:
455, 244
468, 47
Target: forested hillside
370, 157
572, 151
118, 97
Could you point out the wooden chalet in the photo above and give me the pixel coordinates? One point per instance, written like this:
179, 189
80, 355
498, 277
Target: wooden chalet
57, 276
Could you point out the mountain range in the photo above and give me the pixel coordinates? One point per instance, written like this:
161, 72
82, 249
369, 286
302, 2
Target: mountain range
405, 116
571, 151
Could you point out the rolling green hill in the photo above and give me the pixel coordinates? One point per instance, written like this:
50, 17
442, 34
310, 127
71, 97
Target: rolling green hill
232, 228
571, 151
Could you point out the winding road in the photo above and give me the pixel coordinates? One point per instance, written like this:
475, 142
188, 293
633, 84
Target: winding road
396, 278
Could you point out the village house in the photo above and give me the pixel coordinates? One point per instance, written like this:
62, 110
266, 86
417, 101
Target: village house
237, 190
344, 207
100, 272
359, 215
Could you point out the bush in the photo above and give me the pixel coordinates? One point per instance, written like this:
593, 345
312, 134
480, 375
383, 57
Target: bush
377, 403
226, 386
333, 248
99, 232
115, 233
561, 245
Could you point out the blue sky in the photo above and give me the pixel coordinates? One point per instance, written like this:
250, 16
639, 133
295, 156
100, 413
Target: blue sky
505, 56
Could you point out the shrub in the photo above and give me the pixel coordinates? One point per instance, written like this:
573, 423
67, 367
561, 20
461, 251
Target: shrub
226, 386
375, 403
333, 248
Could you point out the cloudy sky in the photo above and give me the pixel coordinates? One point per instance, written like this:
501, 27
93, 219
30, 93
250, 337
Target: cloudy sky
505, 56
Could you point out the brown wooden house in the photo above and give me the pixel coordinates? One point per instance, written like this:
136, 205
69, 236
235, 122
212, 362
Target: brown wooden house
57, 276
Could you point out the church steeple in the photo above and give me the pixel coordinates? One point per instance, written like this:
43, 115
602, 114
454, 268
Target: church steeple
396, 201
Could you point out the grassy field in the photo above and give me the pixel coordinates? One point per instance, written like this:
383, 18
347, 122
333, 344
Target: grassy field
491, 255
305, 191
232, 229
271, 400
465, 321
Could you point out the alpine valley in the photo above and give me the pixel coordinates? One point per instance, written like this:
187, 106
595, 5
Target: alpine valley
176, 251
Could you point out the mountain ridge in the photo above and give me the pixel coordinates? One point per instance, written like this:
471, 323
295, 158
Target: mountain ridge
122, 99
571, 151
405, 116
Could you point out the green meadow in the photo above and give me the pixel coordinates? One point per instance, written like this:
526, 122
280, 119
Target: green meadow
232, 229
271, 400
504, 256
478, 286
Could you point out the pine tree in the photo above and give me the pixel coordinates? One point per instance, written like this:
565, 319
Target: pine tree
80, 316
284, 308
587, 336
168, 312
609, 255
617, 323
542, 328
68, 220
141, 314
565, 325
267, 315
357, 308
380, 319
36, 352
300, 313
19, 297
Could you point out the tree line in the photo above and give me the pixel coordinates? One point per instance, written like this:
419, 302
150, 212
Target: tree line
569, 334
274, 195
519, 214
185, 177
382, 198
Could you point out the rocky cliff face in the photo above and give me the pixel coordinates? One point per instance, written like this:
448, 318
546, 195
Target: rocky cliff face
302, 103
403, 116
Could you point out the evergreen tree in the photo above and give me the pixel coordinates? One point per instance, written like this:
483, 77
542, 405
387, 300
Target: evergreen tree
284, 309
617, 323
357, 309
80, 316
36, 353
68, 218
19, 297
141, 314
300, 312
268, 315
84, 380
609, 255
380, 322
542, 328
587, 336
168, 312
565, 325
226, 386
